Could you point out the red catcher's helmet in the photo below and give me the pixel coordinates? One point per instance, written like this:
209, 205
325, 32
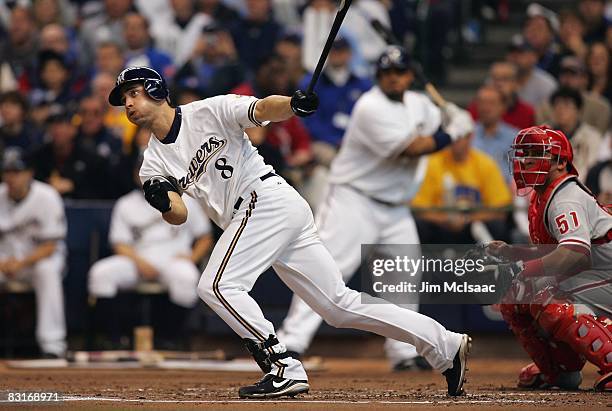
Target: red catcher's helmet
534, 151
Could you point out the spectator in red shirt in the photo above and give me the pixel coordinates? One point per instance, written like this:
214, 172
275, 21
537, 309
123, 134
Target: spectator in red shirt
504, 76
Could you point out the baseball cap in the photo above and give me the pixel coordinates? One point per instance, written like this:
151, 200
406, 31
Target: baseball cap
518, 43
341, 43
572, 64
537, 10
212, 27
50, 55
394, 57
15, 159
59, 114
292, 37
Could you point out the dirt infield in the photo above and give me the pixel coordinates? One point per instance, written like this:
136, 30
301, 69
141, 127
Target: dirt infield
347, 384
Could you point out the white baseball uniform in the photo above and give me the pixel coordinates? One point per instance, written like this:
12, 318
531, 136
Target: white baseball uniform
370, 186
266, 224
24, 225
163, 245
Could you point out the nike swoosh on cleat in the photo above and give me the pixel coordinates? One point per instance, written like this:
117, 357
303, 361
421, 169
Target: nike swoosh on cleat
278, 385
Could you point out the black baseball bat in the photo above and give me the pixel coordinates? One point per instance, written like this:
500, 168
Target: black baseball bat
386, 34
389, 38
344, 6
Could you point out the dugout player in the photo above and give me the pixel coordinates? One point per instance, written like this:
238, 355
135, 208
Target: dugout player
32, 233
375, 174
201, 149
148, 248
567, 321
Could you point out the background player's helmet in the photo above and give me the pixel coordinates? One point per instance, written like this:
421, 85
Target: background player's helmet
393, 57
534, 151
154, 84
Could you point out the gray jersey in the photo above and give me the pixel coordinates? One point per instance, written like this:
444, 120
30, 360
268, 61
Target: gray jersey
575, 218
379, 131
211, 157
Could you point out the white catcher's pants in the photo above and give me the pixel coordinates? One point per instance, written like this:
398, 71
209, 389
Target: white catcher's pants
46, 279
274, 226
347, 219
118, 272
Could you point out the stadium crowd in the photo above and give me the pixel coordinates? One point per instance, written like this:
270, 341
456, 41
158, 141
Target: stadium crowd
59, 60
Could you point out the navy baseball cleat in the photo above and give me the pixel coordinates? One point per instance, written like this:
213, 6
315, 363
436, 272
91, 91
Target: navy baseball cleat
271, 386
455, 376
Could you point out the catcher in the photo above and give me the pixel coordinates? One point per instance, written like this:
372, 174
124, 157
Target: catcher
566, 322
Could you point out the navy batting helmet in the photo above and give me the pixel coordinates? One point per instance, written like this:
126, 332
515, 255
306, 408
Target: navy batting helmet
393, 57
154, 84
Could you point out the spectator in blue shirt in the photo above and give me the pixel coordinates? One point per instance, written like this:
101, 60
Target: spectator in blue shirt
492, 135
338, 90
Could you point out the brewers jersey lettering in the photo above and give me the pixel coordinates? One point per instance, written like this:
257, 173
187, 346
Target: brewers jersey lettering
212, 158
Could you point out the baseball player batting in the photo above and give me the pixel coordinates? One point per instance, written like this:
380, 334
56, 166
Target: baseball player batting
375, 174
201, 149
567, 321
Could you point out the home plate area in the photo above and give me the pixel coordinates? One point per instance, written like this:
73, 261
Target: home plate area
336, 384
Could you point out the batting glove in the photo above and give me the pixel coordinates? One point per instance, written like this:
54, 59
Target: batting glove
156, 191
458, 123
304, 105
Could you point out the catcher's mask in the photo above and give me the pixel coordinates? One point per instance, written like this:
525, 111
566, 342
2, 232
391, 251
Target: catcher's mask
534, 152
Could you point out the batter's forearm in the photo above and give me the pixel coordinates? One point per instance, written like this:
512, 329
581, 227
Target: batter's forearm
420, 146
177, 214
273, 108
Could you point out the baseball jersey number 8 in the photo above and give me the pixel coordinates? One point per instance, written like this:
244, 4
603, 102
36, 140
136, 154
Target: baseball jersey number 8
226, 170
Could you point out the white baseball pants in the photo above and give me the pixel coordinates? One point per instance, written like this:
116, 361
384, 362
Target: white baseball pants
275, 227
347, 219
111, 274
46, 279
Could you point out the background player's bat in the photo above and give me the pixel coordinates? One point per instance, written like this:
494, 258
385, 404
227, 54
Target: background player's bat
133, 356
389, 38
344, 6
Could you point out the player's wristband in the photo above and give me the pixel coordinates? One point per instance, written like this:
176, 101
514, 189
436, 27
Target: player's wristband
533, 268
442, 139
